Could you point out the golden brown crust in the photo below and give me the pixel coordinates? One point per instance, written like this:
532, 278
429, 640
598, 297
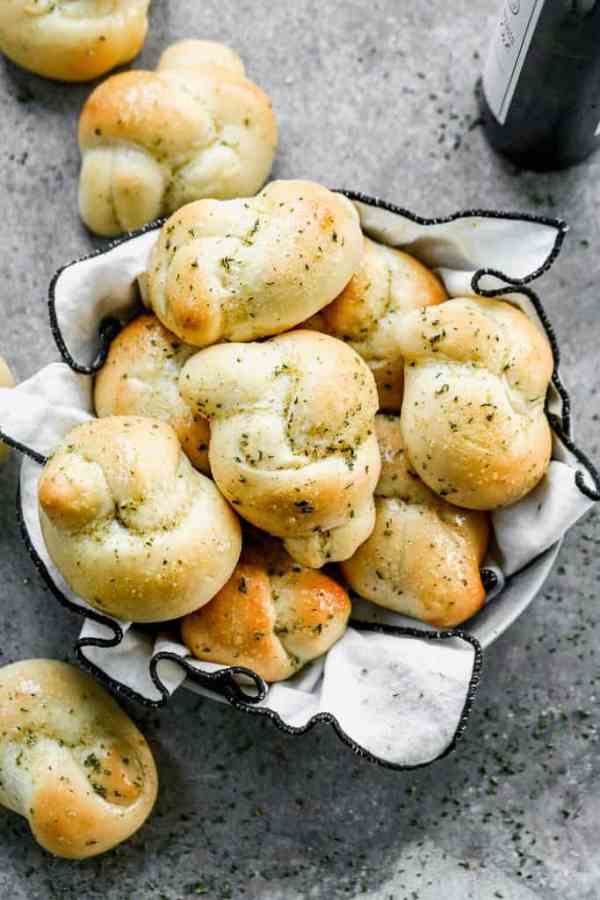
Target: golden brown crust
244, 269
154, 141
473, 418
368, 313
72, 41
273, 615
423, 557
130, 525
292, 443
71, 761
140, 377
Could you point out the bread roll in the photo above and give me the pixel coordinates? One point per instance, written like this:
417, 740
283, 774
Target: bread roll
6, 380
292, 443
133, 529
71, 761
245, 269
140, 378
473, 418
153, 141
273, 616
368, 313
423, 557
72, 41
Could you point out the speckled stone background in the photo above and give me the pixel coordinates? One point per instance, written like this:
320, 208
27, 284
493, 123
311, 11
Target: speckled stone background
375, 95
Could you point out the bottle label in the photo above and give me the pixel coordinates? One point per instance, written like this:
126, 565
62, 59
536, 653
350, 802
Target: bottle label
508, 51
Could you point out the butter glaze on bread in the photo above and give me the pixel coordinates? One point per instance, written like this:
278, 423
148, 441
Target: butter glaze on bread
140, 378
153, 141
71, 761
473, 419
423, 556
273, 615
72, 41
368, 313
292, 442
131, 526
244, 269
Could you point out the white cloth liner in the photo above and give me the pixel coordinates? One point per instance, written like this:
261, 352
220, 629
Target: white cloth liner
398, 697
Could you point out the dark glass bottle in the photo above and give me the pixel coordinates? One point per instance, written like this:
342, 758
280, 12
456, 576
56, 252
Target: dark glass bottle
540, 92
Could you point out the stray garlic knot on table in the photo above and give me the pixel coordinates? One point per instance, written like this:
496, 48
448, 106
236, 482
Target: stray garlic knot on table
153, 141
71, 761
72, 40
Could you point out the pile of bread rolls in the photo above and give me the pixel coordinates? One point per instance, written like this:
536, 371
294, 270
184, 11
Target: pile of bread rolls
297, 412
294, 396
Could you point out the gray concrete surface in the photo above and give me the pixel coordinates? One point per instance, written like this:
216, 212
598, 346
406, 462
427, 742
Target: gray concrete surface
375, 95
